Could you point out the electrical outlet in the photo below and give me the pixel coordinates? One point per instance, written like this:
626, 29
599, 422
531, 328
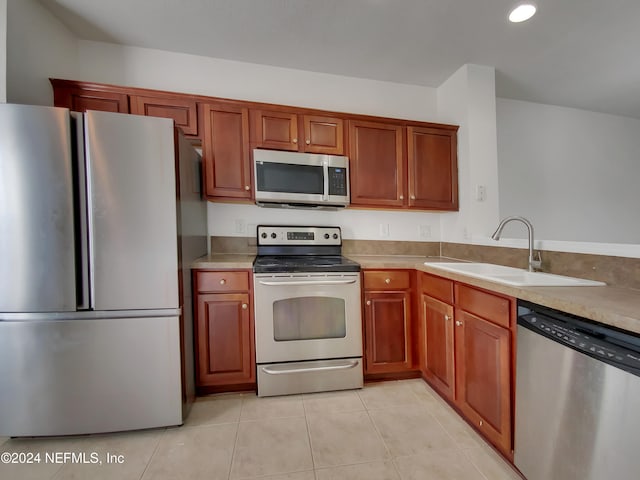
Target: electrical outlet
384, 229
425, 231
481, 193
239, 225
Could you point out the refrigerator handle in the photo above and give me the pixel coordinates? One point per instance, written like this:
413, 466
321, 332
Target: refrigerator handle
84, 300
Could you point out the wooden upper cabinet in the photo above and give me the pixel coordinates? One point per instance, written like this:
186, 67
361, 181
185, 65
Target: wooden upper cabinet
376, 164
182, 110
277, 130
81, 100
433, 168
483, 376
323, 135
227, 163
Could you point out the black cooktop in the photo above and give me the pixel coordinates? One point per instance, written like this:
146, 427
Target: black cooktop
303, 263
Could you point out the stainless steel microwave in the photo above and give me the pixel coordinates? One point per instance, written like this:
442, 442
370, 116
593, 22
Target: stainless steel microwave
300, 179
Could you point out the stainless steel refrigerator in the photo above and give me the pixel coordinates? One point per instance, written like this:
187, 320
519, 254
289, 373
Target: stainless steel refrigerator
100, 217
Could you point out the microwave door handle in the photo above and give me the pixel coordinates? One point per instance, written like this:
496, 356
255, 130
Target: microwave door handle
325, 176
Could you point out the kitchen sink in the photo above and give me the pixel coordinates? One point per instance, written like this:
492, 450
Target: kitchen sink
514, 276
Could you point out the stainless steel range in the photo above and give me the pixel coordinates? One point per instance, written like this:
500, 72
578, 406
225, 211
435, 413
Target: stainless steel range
307, 312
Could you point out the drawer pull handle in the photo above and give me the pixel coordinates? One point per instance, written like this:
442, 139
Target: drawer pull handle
223, 281
244, 306
458, 323
387, 281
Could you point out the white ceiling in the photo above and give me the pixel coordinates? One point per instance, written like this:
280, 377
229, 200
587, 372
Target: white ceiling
576, 53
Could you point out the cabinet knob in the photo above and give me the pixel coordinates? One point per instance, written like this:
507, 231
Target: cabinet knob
458, 323
413, 197
481, 423
223, 281
308, 142
244, 306
387, 281
295, 140
247, 187
368, 302
447, 318
401, 197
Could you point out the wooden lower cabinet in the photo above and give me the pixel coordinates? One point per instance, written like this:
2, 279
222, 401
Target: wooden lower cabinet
466, 354
224, 333
483, 376
388, 332
437, 345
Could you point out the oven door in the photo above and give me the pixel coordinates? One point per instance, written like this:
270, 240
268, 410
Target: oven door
307, 316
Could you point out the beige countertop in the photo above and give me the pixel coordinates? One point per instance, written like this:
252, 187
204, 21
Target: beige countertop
618, 307
225, 261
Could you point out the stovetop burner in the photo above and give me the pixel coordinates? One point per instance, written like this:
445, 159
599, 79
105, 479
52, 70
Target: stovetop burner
296, 249
304, 263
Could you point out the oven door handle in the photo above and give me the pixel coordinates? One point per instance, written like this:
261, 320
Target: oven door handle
283, 371
307, 282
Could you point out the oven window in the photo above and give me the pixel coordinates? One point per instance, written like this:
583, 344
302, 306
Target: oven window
307, 318
290, 178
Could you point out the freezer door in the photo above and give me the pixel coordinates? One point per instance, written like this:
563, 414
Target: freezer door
37, 248
65, 377
132, 211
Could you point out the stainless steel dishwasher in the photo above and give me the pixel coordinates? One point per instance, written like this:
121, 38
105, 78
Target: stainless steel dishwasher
577, 398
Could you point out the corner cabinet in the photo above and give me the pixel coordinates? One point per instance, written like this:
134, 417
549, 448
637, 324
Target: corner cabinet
466, 351
224, 332
387, 317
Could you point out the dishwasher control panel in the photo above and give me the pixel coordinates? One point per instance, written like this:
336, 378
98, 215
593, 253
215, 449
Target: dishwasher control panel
598, 341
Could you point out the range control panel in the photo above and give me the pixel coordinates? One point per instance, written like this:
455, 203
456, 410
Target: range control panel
294, 235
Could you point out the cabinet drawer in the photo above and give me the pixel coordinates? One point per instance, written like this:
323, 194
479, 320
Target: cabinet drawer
490, 307
222, 281
437, 287
387, 280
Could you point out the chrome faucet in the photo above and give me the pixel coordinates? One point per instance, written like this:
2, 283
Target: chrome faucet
533, 264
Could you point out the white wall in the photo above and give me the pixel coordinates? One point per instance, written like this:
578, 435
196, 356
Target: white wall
38, 47
467, 99
3, 51
142, 67
575, 174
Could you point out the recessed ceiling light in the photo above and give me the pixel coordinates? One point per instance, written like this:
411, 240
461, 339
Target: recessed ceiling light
522, 12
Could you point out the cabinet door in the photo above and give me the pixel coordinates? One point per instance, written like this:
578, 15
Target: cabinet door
483, 377
387, 332
376, 164
227, 164
182, 110
277, 130
433, 168
81, 100
323, 135
437, 345
224, 333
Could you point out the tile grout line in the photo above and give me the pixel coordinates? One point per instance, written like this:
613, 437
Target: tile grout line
306, 422
235, 440
470, 460
153, 454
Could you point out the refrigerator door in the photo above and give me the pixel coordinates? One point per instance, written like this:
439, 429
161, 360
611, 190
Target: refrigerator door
37, 245
63, 377
132, 211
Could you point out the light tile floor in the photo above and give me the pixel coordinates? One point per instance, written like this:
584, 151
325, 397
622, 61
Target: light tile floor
386, 431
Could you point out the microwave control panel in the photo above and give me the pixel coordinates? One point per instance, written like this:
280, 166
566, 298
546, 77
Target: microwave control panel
337, 181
